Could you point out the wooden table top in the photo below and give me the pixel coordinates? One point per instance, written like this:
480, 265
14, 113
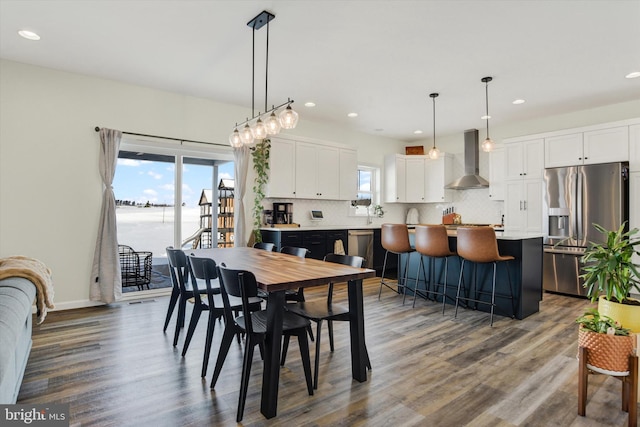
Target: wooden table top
275, 271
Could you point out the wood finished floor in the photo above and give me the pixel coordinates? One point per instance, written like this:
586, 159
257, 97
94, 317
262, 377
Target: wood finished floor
115, 367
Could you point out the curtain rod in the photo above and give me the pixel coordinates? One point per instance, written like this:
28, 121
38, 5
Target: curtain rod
97, 129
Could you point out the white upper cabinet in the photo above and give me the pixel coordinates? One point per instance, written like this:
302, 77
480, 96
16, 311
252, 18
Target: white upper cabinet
586, 148
496, 174
394, 178
414, 179
634, 148
317, 171
524, 159
438, 173
523, 206
348, 174
282, 169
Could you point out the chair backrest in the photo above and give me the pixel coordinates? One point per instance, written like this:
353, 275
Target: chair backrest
395, 238
178, 268
292, 250
432, 240
204, 269
264, 245
477, 244
352, 260
237, 283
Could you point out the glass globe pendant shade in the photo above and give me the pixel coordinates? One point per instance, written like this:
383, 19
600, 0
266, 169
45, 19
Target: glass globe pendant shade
434, 153
259, 130
488, 145
288, 118
273, 124
246, 135
234, 138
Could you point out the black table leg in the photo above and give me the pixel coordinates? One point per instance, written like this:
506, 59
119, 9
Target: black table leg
271, 374
356, 323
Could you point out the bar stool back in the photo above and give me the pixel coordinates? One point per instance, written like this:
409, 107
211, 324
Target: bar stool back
395, 239
480, 246
432, 241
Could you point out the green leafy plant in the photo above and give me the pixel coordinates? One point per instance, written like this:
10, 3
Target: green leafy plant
260, 153
594, 322
609, 267
377, 211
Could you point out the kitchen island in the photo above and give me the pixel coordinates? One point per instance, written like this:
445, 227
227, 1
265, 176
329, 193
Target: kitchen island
525, 271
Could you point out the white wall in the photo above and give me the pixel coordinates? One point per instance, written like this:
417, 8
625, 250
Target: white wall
50, 188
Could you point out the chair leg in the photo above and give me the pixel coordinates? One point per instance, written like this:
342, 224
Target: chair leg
405, 279
182, 308
310, 332
285, 348
444, 284
172, 305
493, 293
244, 381
384, 266
195, 316
211, 326
330, 327
583, 381
458, 291
306, 361
316, 367
227, 339
633, 391
420, 268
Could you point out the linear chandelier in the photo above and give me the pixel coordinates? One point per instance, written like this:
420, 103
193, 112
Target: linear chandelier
256, 129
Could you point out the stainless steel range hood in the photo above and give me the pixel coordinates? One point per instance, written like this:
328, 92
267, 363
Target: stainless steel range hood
471, 178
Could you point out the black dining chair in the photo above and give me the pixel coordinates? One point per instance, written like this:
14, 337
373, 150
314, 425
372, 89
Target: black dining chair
181, 291
264, 246
242, 284
318, 311
298, 295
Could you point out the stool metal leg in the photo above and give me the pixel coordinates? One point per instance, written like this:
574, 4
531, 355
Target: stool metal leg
384, 266
458, 292
493, 293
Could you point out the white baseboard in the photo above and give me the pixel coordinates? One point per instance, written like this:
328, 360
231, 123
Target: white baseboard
129, 296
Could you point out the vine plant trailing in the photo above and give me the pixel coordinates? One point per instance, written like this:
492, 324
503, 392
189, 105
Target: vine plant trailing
260, 153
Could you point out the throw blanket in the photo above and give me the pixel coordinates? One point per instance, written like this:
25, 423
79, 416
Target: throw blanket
36, 272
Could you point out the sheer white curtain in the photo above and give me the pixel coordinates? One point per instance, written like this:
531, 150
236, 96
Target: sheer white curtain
241, 168
106, 283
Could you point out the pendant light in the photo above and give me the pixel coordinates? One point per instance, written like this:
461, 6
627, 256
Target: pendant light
487, 144
434, 153
274, 121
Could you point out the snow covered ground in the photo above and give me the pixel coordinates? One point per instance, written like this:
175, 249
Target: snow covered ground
151, 229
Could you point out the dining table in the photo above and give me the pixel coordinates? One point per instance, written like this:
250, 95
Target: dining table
276, 273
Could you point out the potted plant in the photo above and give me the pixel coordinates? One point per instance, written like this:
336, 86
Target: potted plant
610, 276
609, 343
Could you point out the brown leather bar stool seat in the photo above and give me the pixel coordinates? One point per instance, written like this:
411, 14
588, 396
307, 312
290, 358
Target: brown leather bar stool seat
432, 241
480, 246
395, 239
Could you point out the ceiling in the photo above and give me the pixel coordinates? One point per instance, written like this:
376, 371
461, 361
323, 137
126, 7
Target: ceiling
380, 59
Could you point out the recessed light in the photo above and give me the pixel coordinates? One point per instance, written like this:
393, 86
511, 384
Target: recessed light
485, 117
633, 75
417, 131
518, 101
29, 35
309, 104
352, 115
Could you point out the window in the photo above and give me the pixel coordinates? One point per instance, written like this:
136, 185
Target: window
368, 189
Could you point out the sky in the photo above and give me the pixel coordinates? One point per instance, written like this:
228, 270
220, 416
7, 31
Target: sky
142, 181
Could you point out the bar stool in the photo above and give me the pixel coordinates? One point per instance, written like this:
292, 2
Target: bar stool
432, 241
395, 239
480, 246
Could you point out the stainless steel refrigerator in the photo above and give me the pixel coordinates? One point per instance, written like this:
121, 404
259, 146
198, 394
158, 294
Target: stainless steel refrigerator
575, 198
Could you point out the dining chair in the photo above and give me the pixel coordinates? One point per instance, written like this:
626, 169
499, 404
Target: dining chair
318, 311
292, 295
242, 284
265, 246
214, 305
181, 290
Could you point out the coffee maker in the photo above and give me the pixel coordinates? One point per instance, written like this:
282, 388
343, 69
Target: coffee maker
283, 213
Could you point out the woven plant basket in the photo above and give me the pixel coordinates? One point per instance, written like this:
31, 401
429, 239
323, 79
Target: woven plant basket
607, 352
